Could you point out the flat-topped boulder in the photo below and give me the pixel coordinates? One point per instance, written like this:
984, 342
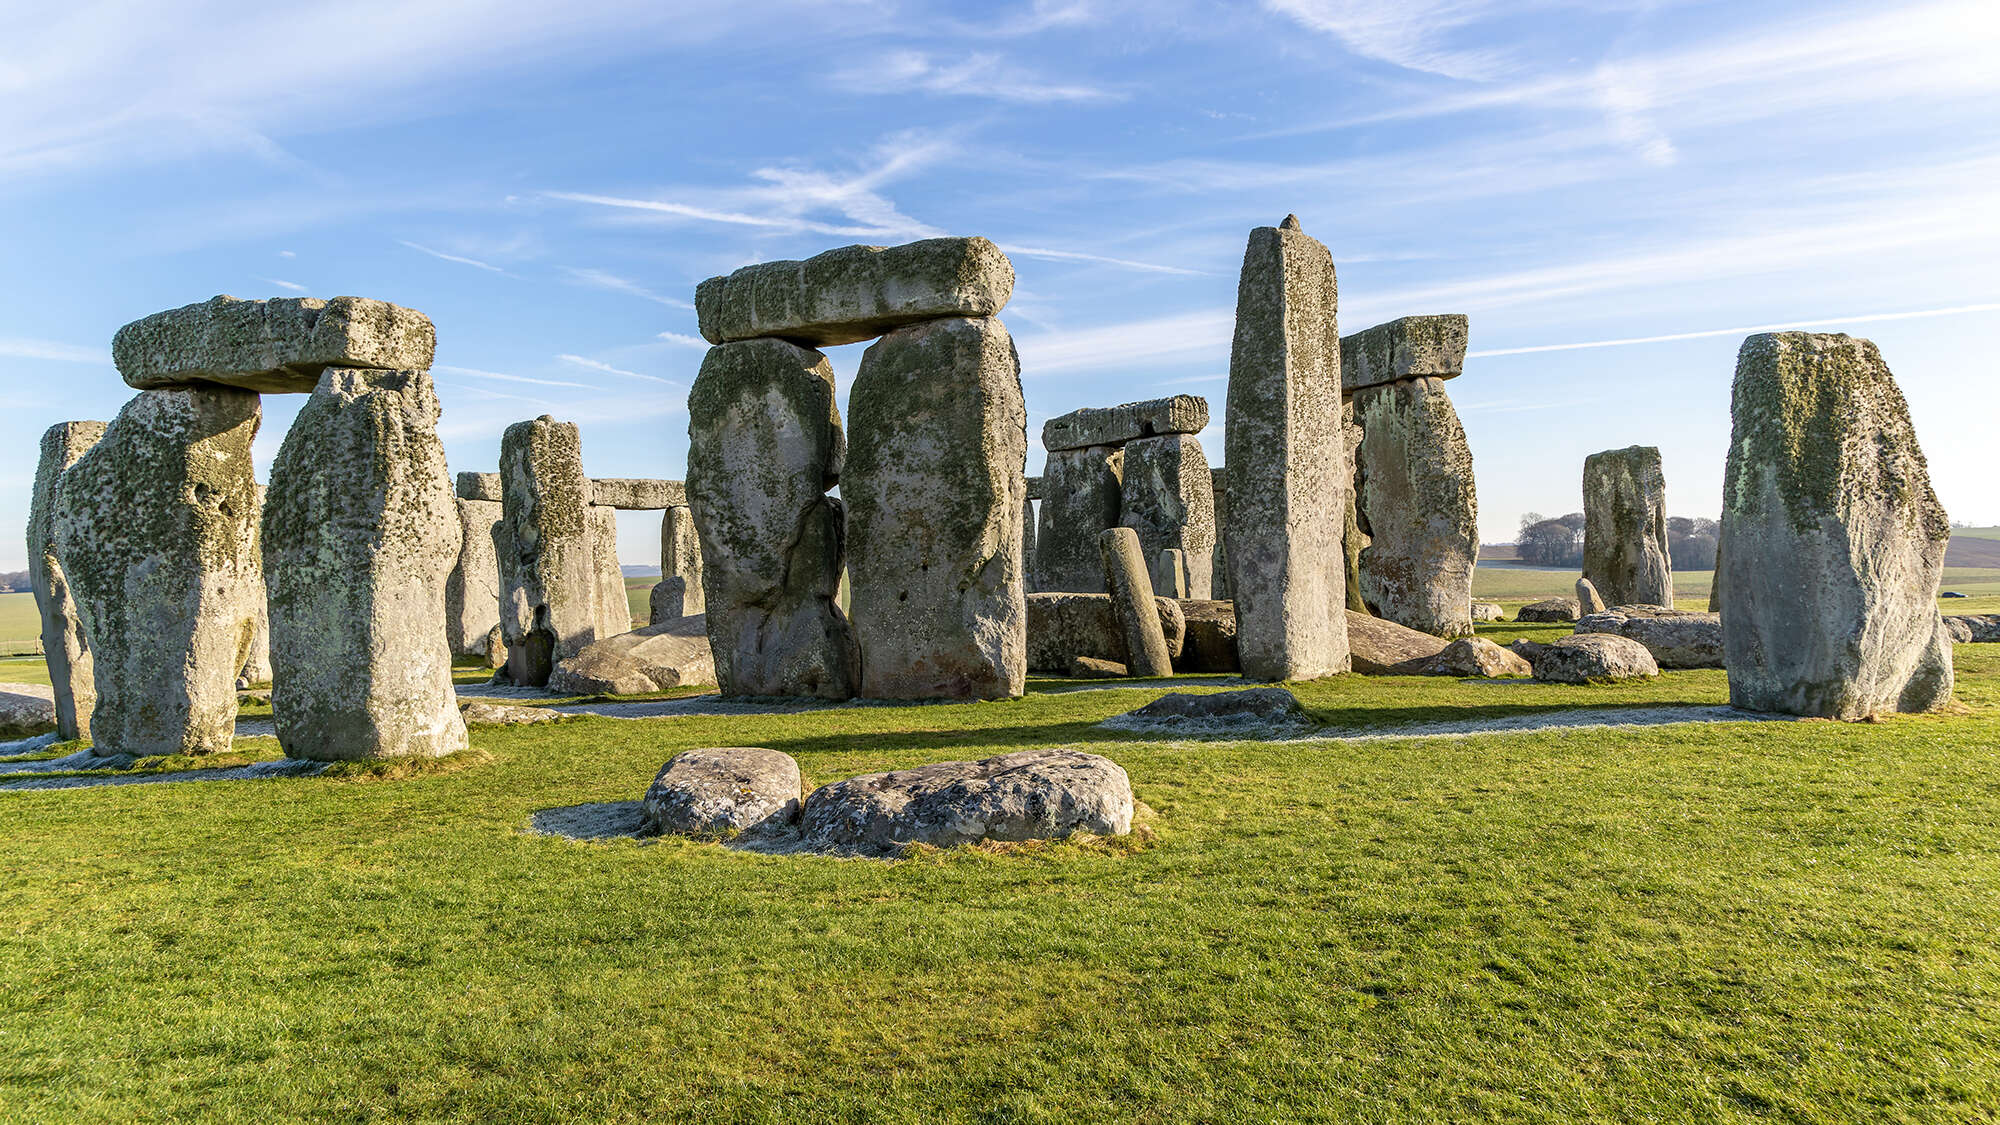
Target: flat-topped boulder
1026, 795
1377, 647
1677, 638
637, 494
670, 654
1247, 713
1488, 611
479, 486
26, 710
1115, 425
276, 346
1468, 657
856, 292
1591, 658
1410, 347
1979, 628
1548, 610
724, 789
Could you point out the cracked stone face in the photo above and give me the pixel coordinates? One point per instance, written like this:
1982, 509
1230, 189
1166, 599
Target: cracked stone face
1416, 501
1625, 527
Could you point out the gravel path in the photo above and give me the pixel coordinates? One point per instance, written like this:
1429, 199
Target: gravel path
1620, 718
252, 772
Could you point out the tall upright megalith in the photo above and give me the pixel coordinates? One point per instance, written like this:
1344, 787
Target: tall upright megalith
1283, 449
1080, 496
361, 530
1625, 527
550, 599
1167, 495
64, 647
255, 664
154, 529
764, 445
1833, 539
934, 487
678, 592
472, 593
614, 610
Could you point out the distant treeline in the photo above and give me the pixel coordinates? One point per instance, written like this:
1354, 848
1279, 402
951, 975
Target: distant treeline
1559, 541
15, 582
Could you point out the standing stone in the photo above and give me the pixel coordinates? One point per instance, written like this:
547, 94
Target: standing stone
1416, 503
614, 609
1170, 574
1219, 572
1028, 545
1625, 527
64, 648
548, 571
472, 593
1167, 495
678, 593
1132, 603
359, 538
255, 667
1835, 541
764, 445
1588, 601
1283, 449
154, 528
934, 488
1080, 500
1352, 539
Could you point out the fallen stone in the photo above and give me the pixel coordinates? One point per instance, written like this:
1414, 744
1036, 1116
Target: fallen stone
1961, 633
1131, 603
1625, 527
1412, 347
1676, 638
1211, 637
1588, 658
1091, 668
1377, 647
1468, 657
478, 712
479, 486
1587, 599
275, 346
637, 494
26, 710
1116, 425
472, 592
1027, 795
1416, 504
856, 292
1547, 610
724, 790
550, 604
1082, 498
65, 649
1488, 611
1167, 495
1980, 628
1249, 712
659, 657
1064, 626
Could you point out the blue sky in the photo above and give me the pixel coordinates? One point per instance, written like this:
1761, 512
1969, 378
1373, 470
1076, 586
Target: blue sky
550, 182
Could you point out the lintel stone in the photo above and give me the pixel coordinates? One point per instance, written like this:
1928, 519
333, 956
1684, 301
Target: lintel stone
1115, 425
855, 292
637, 494
479, 486
277, 346
1410, 347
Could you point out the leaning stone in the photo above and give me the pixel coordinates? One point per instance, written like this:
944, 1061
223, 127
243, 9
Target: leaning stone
1548, 610
472, 593
724, 790
479, 486
856, 292
548, 570
1587, 601
1131, 602
1834, 540
637, 494
64, 648
1468, 657
1676, 638
1416, 504
1377, 647
1980, 628
1081, 500
1026, 795
27, 710
1248, 713
1211, 637
671, 654
1488, 611
1116, 425
1412, 347
934, 488
275, 346
360, 534
1091, 668
154, 527
680, 558
1283, 445
614, 609
1167, 495
1588, 658
1064, 626
1625, 527
764, 445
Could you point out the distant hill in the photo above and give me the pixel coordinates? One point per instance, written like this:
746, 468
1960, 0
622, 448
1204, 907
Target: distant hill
654, 571
1970, 547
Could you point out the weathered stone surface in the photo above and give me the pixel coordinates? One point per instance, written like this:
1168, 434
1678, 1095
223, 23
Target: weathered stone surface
1676, 638
637, 494
1587, 599
255, 667
479, 486
1034, 488
27, 710
659, 657
1488, 611
1416, 503
548, 570
1835, 541
1411, 347
764, 445
1468, 657
1028, 545
1283, 447
64, 647
1026, 795
1064, 626
1082, 497
724, 790
1353, 540
1211, 637
1980, 628
482, 713
154, 527
1170, 574
1961, 633
1584, 658
1167, 495
275, 346
856, 292
1547, 610
614, 610
1116, 425
472, 592
1131, 603
1625, 527
678, 593
360, 534
1219, 572
1248, 713
1091, 668
934, 490
1377, 646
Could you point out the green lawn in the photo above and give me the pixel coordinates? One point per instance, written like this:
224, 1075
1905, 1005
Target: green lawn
1737, 922
20, 624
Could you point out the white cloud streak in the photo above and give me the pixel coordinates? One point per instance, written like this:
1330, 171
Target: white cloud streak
463, 261
1407, 33
610, 282
978, 75
600, 365
293, 286
475, 373
1076, 256
684, 340
1746, 330
18, 347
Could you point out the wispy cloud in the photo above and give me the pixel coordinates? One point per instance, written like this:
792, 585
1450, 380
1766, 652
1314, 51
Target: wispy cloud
1076, 256
1413, 34
475, 373
286, 254
1743, 330
600, 365
684, 340
1118, 346
293, 286
463, 261
979, 75
18, 347
610, 282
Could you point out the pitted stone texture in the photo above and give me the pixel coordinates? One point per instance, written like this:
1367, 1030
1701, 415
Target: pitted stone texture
934, 489
1284, 452
1091, 668
1980, 628
255, 667
724, 790
549, 603
659, 657
275, 346
472, 592
1469, 657
1082, 496
1034, 488
1676, 638
1548, 610
1834, 540
1167, 495
1488, 611
27, 710
65, 648
614, 610
1210, 645
637, 494
1625, 527
680, 558
856, 292
1062, 627
1587, 658
1353, 540
155, 526
479, 486
1961, 633
764, 445
1378, 647
1248, 713
1587, 599
1412, 347
1026, 795
1132, 602
1416, 503
1116, 425
360, 534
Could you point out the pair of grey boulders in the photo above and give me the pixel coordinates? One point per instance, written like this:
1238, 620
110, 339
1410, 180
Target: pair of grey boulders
1027, 795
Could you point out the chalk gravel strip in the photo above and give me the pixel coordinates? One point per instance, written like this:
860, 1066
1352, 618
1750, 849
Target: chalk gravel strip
1624, 718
